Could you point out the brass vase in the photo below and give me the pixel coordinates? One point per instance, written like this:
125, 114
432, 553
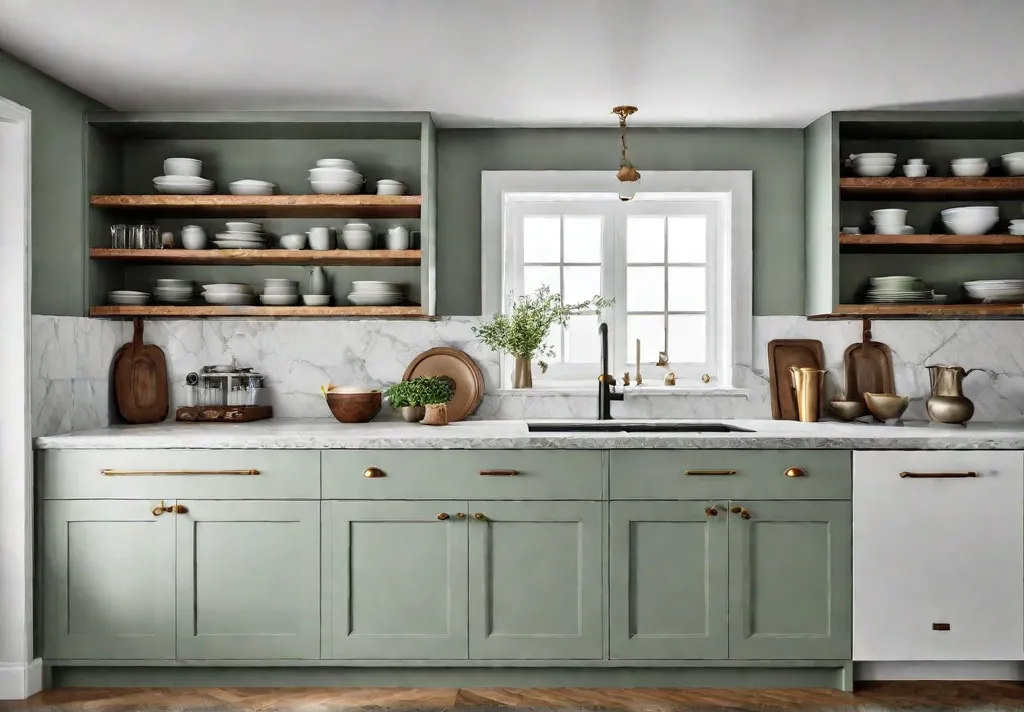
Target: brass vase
523, 376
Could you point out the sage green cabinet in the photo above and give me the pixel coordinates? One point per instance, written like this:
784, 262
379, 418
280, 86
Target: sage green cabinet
108, 580
394, 580
791, 581
535, 580
669, 581
248, 580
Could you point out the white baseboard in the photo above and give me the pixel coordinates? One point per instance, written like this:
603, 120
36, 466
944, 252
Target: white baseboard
21, 681
939, 670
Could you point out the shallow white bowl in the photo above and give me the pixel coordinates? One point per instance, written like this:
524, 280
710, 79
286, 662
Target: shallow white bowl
279, 300
295, 241
324, 187
316, 300
227, 288
244, 227
177, 187
183, 167
873, 171
969, 170
227, 299
876, 157
128, 298
970, 220
336, 163
251, 187
358, 240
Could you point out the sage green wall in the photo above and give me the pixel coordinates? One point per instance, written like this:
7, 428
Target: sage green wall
58, 191
775, 155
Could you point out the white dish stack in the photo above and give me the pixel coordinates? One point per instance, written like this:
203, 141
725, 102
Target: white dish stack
891, 221
226, 294
899, 290
1014, 163
872, 165
181, 177
127, 297
969, 167
280, 292
335, 176
996, 290
241, 236
376, 294
174, 291
1017, 227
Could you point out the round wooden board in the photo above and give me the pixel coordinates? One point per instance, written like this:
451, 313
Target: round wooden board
457, 365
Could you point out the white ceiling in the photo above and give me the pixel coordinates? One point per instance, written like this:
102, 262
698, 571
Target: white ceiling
530, 62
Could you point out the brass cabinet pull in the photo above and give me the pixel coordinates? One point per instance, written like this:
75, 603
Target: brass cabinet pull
480, 517
709, 472
796, 472
373, 472
460, 515
172, 473
180, 509
938, 475
499, 473
160, 509
711, 511
742, 511
442, 516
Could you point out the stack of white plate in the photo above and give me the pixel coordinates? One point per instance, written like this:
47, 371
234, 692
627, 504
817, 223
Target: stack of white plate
335, 176
280, 292
174, 291
376, 294
898, 290
872, 164
181, 177
228, 294
1017, 227
127, 297
996, 290
241, 236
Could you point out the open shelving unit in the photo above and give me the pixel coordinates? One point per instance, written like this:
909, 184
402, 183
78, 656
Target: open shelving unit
839, 265
125, 152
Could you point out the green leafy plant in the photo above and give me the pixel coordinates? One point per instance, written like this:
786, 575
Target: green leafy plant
523, 331
424, 390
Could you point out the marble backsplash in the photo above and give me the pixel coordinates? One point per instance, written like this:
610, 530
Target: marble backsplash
72, 359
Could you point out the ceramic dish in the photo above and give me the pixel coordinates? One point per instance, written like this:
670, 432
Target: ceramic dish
373, 300
279, 300
324, 187
316, 300
251, 187
295, 241
244, 227
227, 299
886, 406
358, 240
228, 288
336, 163
183, 167
126, 297
172, 185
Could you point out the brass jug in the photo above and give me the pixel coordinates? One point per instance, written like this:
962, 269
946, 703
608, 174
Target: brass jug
809, 384
948, 404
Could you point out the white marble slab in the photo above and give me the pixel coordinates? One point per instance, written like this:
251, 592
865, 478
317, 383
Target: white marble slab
324, 434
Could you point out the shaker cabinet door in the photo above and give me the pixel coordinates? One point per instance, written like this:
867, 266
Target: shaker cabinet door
394, 580
535, 583
248, 578
108, 580
789, 580
668, 567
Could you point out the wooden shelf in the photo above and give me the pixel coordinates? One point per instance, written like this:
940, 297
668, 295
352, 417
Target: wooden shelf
187, 312
924, 311
931, 243
369, 206
389, 258
931, 188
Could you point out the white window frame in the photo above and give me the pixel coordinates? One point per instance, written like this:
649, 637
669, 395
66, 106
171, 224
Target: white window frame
731, 191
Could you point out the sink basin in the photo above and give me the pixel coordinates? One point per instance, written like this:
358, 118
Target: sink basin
610, 426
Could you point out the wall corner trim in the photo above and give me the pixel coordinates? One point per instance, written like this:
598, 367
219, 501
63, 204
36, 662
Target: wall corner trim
19, 681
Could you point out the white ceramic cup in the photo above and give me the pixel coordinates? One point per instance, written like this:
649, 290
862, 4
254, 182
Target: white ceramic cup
398, 238
319, 238
193, 237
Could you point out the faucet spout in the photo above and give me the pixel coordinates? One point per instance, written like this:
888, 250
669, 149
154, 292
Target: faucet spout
605, 382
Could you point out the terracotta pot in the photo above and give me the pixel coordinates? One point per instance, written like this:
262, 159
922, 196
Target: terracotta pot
523, 376
437, 414
354, 407
413, 413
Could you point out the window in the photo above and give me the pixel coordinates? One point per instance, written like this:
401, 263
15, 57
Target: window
677, 261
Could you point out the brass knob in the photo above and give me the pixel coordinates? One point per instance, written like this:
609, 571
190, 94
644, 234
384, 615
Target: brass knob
442, 516
373, 472
480, 517
742, 511
736, 510
180, 509
706, 378
160, 509
796, 472
460, 515
711, 511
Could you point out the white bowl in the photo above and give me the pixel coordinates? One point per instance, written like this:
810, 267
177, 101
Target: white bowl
971, 220
295, 241
873, 171
969, 170
279, 300
388, 189
356, 226
193, 241
889, 215
227, 298
1014, 166
336, 163
358, 240
873, 157
325, 187
183, 167
251, 187
316, 300
274, 291
340, 174
128, 298
917, 170
244, 227
227, 288
182, 185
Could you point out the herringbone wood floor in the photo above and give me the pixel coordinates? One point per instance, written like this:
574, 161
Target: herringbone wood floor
888, 694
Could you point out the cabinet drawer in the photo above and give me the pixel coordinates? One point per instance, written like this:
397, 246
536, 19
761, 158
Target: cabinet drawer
179, 474
730, 474
462, 474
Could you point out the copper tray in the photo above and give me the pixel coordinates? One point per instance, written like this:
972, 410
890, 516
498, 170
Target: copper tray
783, 353
868, 366
457, 365
224, 414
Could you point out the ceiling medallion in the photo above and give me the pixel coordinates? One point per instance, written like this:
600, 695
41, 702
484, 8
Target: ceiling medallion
627, 175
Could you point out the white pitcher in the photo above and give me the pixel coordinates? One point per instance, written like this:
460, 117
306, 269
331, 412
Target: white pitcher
398, 238
317, 281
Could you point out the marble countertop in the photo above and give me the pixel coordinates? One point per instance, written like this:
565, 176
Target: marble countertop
324, 434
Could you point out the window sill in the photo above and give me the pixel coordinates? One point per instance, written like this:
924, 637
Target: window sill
540, 391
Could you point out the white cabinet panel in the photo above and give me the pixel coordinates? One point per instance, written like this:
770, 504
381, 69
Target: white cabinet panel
938, 561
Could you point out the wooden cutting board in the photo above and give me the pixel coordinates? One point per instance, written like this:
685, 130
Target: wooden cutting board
783, 353
140, 380
868, 370
461, 368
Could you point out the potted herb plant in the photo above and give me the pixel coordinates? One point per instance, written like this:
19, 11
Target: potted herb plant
423, 399
523, 331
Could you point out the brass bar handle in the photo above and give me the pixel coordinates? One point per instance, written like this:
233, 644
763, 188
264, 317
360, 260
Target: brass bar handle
172, 473
442, 516
694, 473
373, 472
180, 509
161, 509
937, 475
499, 473
480, 517
795, 472
742, 511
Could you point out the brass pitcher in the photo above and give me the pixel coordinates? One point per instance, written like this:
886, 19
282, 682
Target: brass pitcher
948, 404
809, 384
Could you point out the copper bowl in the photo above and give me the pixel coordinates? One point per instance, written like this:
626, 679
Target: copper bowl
886, 406
848, 409
359, 407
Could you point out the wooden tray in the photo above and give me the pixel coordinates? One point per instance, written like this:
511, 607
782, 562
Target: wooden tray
461, 368
868, 366
783, 353
140, 380
224, 414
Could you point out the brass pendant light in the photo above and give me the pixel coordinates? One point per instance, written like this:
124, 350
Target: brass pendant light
628, 176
